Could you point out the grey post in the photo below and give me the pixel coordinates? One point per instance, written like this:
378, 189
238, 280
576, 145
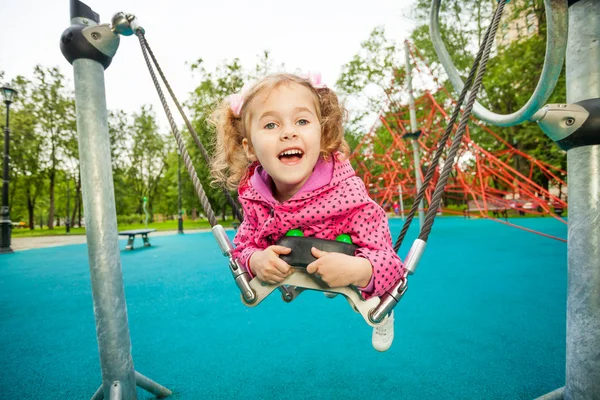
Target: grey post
582, 380
112, 327
89, 47
413, 128
583, 163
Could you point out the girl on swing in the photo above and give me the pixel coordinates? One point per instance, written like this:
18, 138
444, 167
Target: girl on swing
281, 143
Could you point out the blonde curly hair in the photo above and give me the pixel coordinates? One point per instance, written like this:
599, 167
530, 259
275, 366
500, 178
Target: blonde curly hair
229, 164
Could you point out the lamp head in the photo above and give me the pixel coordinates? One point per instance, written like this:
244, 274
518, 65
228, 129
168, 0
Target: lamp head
8, 94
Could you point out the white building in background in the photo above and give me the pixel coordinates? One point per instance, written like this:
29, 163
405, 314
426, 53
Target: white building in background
519, 28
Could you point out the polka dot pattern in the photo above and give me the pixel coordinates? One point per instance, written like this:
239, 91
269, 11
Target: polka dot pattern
342, 206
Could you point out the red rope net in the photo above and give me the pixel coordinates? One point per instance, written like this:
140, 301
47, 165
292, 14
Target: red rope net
486, 182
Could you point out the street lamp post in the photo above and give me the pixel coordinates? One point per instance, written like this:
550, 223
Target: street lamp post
5, 222
179, 216
68, 220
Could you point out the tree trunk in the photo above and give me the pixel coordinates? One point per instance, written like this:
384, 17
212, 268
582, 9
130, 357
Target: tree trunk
560, 191
224, 213
76, 205
51, 209
30, 211
74, 213
545, 183
79, 209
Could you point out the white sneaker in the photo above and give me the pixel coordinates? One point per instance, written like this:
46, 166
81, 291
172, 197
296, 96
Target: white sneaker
383, 335
330, 295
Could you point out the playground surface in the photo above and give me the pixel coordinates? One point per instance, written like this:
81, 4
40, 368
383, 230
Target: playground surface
37, 242
483, 318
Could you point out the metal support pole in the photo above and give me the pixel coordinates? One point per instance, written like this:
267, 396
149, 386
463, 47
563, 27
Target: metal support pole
583, 163
112, 327
151, 387
68, 221
89, 47
179, 216
401, 201
413, 128
557, 394
5, 222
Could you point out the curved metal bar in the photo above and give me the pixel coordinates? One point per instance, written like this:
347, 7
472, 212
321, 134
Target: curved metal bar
302, 280
556, 44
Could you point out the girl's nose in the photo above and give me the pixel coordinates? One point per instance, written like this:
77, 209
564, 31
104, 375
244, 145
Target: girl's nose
288, 134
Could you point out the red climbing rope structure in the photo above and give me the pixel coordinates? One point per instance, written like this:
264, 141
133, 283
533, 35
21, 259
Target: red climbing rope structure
486, 182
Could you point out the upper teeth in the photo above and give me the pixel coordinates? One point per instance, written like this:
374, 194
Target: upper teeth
291, 152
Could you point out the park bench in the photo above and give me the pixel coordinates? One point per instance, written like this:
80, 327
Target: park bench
131, 234
496, 206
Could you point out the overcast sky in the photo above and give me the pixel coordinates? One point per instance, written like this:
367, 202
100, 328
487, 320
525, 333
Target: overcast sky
308, 35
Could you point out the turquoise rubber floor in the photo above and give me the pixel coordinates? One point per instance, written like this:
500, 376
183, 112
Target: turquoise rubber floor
483, 318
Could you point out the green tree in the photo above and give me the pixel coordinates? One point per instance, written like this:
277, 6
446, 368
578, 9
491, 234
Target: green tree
147, 157
55, 114
26, 149
228, 78
119, 130
507, 84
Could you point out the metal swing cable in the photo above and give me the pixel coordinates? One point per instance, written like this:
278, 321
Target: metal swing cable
441, 184
183, 151
442, 144
191, 129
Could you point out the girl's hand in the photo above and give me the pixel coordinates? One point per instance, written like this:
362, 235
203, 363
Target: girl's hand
336, 269
267, 265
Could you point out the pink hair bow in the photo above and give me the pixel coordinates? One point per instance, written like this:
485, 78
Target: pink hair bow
315, 80
236, 100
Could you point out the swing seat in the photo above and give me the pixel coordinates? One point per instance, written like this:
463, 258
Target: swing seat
252, 292
301, 256
300, 280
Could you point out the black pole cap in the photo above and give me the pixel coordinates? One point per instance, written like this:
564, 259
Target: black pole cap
82, 10
74, 45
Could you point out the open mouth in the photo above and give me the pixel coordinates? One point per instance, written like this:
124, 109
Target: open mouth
291, 156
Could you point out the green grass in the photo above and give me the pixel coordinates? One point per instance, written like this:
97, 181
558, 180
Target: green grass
159, 226
474, 214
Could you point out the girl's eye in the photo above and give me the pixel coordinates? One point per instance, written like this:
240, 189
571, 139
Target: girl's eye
270, 125
302, 122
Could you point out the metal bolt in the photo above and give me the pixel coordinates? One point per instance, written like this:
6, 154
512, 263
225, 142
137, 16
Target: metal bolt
85, 21
570, 121
96, 36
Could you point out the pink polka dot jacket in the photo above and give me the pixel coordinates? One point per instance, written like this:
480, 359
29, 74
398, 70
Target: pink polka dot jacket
333, 201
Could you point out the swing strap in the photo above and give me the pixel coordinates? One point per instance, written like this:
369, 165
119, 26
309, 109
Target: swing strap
479, 66
147, 50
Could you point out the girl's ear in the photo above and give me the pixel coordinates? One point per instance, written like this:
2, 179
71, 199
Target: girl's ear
249, 150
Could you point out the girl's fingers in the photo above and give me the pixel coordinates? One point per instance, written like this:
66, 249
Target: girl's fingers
280, 249
282, 266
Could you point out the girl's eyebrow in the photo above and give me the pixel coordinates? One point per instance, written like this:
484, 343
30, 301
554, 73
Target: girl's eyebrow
269, 114
276, 114
299, 109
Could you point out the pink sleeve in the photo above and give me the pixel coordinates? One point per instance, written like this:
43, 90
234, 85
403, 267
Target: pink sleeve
371, 233
245, 243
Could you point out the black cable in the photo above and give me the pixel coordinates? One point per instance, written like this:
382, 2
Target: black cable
441, 184
183, 151
442, 143
230, 200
